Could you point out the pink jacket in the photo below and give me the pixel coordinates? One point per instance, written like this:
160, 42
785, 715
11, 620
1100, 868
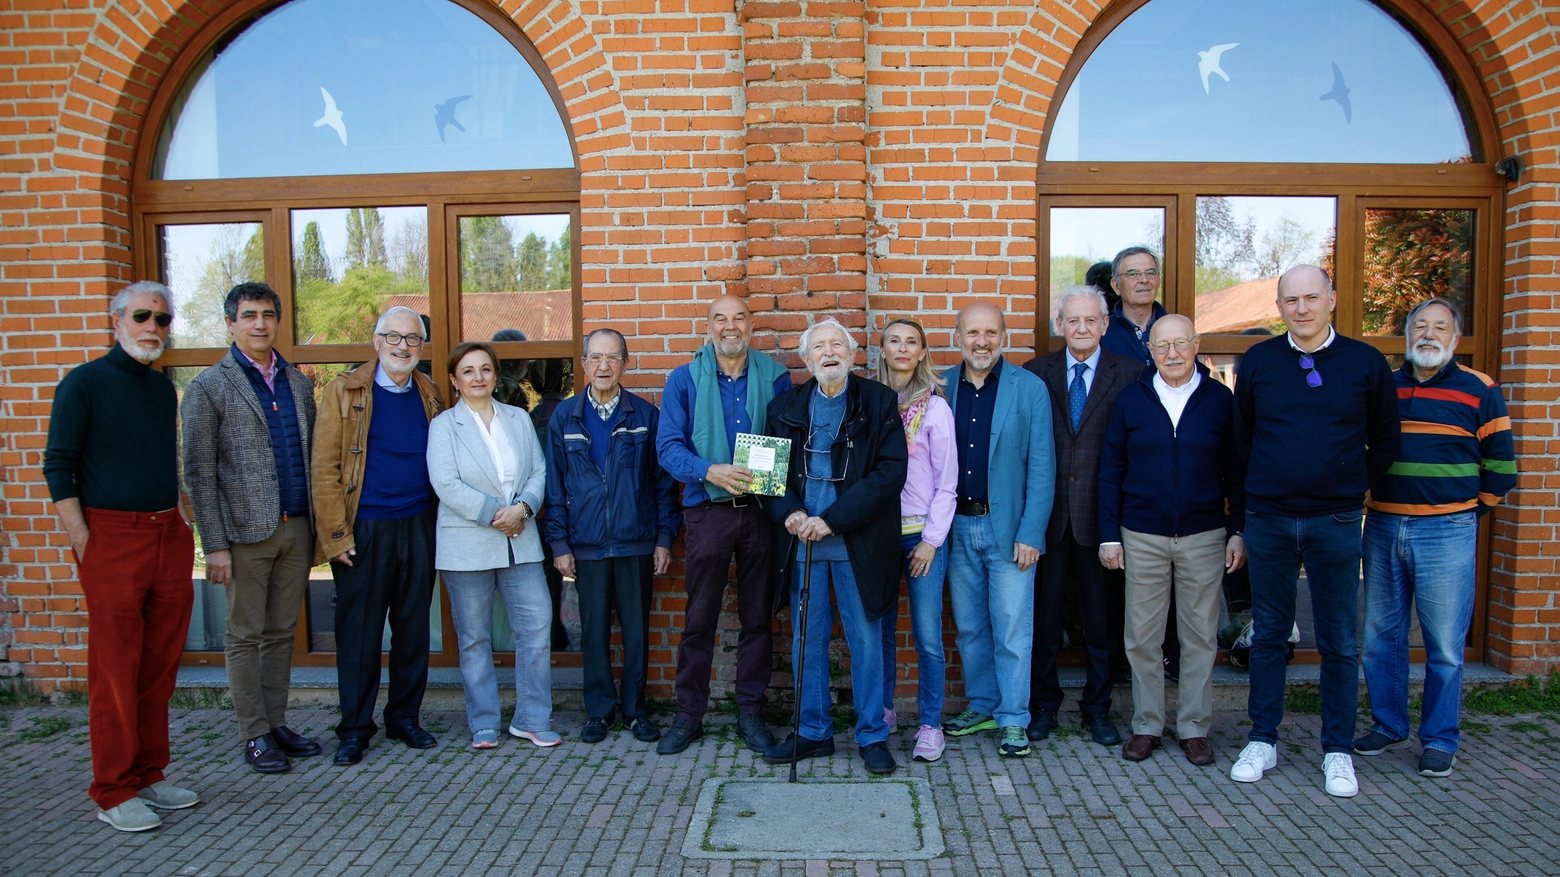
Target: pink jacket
932, 479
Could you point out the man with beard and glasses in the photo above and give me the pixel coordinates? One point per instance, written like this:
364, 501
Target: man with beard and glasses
113, 471
724, 391
374, 521
1316, 420
1422, 534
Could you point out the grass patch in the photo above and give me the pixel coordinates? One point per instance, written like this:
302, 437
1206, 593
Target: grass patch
1530, 695
200, 699
1303, 700
21, 692
1531, 728
1474, 727
44, 728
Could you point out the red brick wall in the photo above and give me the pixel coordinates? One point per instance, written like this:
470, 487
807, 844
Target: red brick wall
859, 160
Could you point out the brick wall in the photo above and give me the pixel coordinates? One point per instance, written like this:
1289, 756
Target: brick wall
855, 159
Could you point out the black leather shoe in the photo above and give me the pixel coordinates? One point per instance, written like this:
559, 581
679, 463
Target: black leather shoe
412, 735
1041, 726
878, 759
265, 756
780, 753
750, 727
683, 732
293, 743
595, 731
350, 751
645, 730
1102, 730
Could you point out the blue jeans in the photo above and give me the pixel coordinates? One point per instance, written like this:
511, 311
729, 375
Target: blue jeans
862, 637
994, 608
926, 604
1328, 546
523, 587
1431, 560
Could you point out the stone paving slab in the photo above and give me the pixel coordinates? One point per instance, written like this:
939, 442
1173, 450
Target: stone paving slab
617, 808
878, 818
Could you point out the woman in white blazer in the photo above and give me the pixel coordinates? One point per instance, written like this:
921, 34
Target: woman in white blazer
491, 475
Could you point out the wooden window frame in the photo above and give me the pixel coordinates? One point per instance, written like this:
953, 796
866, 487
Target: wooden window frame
1475, 185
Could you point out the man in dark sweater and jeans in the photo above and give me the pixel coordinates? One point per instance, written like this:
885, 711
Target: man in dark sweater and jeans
113, 472
1316, 418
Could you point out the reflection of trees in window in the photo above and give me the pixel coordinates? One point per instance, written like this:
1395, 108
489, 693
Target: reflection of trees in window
232, 259
312, 263
1411, 255
409, 250
487, 255
332, 311
365, 237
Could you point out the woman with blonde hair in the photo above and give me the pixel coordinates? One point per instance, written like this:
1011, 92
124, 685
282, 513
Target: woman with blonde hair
926, 513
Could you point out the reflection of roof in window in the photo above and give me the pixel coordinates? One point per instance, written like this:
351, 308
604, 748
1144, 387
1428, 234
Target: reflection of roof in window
545, 315
1242, 306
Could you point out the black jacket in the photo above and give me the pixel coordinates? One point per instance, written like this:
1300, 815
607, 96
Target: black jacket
866, 510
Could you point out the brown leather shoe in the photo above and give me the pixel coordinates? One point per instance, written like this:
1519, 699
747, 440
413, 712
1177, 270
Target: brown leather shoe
1198, 751
1139, 747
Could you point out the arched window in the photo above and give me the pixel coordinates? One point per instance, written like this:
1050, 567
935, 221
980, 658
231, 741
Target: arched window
355, 154
1238, 138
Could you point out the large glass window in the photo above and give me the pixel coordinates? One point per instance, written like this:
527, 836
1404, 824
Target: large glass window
1245, 137
359, 154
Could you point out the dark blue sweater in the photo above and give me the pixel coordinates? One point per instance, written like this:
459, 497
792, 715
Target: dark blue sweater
1314, 451
1171, 479
395, 475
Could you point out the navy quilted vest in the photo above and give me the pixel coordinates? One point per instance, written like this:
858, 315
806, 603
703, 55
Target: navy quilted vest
281, 419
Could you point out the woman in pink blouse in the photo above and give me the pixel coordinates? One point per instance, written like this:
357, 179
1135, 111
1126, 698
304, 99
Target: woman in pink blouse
926, 513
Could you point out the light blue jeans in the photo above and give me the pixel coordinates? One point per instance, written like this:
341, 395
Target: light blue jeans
1431, 561
926, 624
994, 608
864, 639
523, 588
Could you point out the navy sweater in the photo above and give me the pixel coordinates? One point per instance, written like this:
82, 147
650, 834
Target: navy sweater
1171, 479
395, 475
1314, 451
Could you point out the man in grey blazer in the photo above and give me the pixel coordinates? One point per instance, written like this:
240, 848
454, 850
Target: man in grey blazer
247, 424
1083, 380
1007, 480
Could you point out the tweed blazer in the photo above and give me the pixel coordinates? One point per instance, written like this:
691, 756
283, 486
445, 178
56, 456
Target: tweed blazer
229, 467
461, 469
1078, 452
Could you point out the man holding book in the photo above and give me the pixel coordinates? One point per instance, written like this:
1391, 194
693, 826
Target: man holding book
723, 392
847, 468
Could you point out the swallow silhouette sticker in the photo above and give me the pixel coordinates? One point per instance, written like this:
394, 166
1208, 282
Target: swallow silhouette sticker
1208, 63
1340, 93
444, 115
332, 117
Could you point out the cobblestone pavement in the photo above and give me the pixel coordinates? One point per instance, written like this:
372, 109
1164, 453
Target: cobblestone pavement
619, 809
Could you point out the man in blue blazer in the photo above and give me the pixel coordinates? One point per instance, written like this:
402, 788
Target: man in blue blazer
1007, 480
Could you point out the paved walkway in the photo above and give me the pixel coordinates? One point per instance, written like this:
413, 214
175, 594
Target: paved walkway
619, 809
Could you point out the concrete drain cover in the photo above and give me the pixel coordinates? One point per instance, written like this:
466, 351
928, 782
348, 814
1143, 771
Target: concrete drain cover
815, 819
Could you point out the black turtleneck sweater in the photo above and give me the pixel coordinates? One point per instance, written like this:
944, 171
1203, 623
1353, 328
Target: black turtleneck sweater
113, 437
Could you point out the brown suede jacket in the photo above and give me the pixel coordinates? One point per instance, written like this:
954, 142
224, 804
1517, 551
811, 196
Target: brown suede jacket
341, 451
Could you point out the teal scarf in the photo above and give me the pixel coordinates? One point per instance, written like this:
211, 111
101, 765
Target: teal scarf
709, 423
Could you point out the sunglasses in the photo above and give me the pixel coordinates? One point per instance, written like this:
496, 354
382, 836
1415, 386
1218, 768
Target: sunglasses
1314, 378
164, 319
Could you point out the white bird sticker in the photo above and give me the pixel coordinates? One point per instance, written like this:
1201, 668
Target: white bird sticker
1208, 62
332, 117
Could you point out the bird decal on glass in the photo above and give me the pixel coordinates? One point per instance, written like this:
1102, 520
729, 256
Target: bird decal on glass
332, 117
444, 115
1208, 62
1340, 93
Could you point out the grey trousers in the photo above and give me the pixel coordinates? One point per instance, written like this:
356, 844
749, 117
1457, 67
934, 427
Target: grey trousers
269, 581
1191, 568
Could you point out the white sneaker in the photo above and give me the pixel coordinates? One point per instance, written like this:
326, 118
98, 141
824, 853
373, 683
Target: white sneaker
1256, 758
167, 796
132, 815
1339, 770
928, 744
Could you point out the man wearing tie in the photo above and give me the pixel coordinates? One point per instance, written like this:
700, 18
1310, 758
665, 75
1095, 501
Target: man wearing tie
1083, 379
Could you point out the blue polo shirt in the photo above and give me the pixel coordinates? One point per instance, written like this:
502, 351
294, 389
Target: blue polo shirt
972, 431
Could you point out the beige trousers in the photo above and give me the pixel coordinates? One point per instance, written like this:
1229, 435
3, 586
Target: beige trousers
1191, 567
269, 581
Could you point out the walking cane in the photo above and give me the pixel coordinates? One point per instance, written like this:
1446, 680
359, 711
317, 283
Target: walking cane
801, 662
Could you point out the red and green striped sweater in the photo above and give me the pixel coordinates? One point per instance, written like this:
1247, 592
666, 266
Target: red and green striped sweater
1457, 451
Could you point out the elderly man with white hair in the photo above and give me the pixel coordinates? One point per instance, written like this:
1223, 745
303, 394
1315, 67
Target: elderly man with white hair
847, 469
374, 521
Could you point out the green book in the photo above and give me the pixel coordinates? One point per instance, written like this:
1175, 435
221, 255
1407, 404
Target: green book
768, 458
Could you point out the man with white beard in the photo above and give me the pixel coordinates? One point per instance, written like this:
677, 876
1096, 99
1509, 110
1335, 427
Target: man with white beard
113, 472
1421, 535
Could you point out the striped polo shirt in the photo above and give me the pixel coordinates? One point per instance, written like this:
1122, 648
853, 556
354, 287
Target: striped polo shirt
1457, 450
